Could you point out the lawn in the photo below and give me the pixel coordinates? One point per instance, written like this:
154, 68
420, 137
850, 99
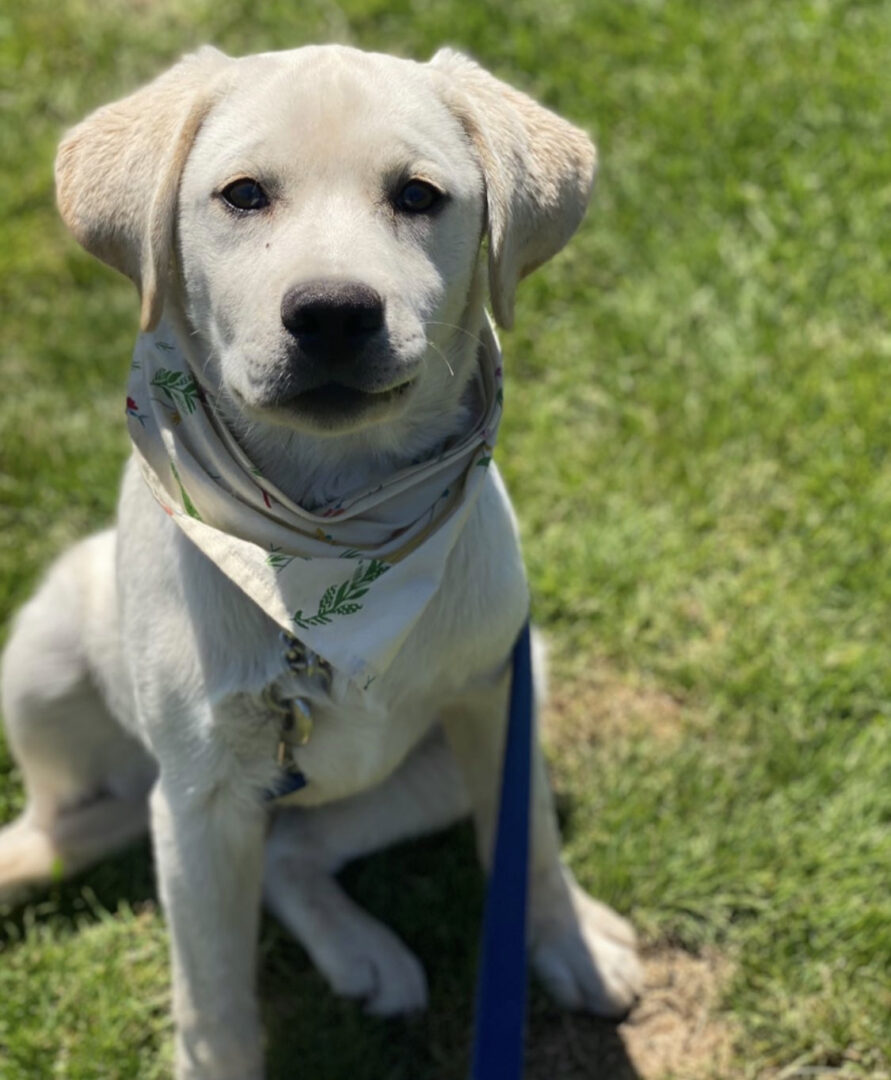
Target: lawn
698, 440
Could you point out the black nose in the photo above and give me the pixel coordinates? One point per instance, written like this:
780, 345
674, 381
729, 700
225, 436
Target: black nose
332, 318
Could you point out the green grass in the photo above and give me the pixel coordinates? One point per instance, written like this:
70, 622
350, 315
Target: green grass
699, 446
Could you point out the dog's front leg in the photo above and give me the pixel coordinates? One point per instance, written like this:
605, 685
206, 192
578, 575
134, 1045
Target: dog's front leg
209, 851
581, 949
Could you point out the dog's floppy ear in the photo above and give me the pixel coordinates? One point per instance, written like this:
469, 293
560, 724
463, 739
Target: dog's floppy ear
117, 173
538, 171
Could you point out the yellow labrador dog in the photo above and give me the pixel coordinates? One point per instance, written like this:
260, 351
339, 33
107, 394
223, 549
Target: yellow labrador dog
305, 231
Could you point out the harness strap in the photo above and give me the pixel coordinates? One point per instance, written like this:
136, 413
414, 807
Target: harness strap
501, 986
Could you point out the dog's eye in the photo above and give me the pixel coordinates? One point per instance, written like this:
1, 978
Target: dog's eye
417, 197
245, 194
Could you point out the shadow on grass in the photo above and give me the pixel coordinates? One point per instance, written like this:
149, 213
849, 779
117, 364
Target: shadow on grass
431, 894
127, 879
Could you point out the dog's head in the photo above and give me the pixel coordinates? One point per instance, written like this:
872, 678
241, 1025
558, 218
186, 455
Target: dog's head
315, 217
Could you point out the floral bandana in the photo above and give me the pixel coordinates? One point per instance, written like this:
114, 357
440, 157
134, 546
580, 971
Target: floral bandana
351, 579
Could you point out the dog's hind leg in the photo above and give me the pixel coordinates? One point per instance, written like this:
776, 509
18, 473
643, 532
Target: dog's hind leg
359, 956
86, 780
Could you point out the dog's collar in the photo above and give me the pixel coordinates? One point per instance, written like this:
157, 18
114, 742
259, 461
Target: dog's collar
368, 564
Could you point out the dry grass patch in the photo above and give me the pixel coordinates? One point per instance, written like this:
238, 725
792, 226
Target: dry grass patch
601, 706
675, 1034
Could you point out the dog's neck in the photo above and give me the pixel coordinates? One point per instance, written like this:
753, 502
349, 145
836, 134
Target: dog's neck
315, 470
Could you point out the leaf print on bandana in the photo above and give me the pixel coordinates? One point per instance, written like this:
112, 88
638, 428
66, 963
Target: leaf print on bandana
188, 505
277, 559
486, 460
180, 387
341, 599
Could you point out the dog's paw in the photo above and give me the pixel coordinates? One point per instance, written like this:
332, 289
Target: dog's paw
368, 962
27, 858
585, 955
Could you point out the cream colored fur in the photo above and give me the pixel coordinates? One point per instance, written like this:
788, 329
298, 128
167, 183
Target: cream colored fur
131, 683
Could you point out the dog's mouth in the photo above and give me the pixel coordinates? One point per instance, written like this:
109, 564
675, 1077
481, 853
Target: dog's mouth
339, 399
335, 406
336, 397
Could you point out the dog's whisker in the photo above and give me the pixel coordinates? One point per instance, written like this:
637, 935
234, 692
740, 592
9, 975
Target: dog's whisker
475, 338
442, 357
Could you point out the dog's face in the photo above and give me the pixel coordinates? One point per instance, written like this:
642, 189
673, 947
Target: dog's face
314, 218
330, 215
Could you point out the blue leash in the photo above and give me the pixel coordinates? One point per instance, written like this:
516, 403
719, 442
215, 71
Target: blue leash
501, 985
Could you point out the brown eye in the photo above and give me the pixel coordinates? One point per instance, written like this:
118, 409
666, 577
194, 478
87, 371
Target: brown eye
417, 197
245, 194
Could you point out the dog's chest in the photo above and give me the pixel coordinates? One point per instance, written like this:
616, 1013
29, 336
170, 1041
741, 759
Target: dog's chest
353, 748
339, 737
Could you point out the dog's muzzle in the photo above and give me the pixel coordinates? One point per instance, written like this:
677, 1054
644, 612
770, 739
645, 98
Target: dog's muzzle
339, 354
